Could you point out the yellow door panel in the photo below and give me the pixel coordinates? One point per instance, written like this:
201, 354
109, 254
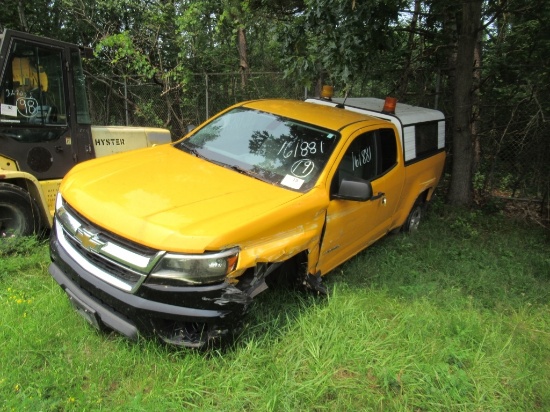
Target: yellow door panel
353, 225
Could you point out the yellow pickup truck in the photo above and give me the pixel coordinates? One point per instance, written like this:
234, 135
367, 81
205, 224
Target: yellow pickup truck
175, 241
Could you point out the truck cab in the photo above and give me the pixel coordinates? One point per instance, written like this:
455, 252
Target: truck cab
45, 128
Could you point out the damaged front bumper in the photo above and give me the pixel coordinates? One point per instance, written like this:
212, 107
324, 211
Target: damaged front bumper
192, 316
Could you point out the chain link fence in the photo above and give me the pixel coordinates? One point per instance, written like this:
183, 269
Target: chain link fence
515, 155
514, 141
127, 101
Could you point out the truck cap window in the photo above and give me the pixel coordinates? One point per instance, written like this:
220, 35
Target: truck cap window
272, 148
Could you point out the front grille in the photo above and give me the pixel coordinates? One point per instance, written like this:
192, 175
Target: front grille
124, 274
115, 260
109, 236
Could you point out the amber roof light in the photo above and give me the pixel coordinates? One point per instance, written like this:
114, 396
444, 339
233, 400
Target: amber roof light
389, 105
327, 92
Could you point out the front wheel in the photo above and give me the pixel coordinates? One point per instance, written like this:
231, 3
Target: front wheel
18, 215
414, 218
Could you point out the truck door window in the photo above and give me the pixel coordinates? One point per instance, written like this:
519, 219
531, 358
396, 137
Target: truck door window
32, 91
369, 156
359, 161
388, 149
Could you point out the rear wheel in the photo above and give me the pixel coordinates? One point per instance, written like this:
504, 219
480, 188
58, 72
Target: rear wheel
18, 213
414, 218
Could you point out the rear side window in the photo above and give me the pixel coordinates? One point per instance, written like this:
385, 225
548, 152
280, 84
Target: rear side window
426, 138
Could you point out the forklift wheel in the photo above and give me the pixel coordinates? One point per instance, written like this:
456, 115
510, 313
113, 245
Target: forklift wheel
18, 215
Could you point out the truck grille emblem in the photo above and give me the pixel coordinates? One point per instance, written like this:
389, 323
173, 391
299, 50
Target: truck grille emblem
88, 240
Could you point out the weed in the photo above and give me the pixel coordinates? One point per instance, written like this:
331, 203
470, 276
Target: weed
13, 245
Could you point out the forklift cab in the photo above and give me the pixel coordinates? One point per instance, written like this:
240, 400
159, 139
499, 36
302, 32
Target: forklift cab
45, 125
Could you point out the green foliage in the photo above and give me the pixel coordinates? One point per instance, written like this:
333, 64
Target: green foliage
342, 38
479, 181
9, 18
516, 89
147, 113
204, 44
11, 246
122, 50
19, 255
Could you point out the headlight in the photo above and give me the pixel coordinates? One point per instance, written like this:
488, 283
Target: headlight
180, 270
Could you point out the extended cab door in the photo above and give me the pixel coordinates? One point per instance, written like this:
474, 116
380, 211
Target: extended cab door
370, 156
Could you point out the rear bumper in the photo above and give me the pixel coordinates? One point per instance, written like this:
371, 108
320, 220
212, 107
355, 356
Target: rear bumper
193, 316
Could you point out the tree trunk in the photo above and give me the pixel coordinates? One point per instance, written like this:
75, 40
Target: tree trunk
243, 55
411, 46
22, 16
460, 192
476, 161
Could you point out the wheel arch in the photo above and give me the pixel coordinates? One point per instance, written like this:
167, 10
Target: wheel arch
32, 186
422, 197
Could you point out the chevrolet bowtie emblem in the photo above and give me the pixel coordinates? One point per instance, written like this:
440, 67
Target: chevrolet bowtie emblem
88, 240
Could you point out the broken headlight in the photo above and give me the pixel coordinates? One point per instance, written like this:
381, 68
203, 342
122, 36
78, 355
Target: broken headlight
180, 270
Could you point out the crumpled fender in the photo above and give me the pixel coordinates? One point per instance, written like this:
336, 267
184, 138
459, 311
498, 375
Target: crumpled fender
285, 244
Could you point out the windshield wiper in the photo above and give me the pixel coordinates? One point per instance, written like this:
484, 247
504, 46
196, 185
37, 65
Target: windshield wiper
192, 150
247, 172
236, 168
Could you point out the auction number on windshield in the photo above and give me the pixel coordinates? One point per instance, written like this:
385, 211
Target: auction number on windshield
302, 168
300, 148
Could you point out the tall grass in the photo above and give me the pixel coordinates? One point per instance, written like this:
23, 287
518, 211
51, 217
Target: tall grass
454, 317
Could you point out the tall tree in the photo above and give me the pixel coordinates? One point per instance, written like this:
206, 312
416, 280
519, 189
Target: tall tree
460, 191
237, 15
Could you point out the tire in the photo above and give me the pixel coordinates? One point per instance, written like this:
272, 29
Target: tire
414, 218
19, 215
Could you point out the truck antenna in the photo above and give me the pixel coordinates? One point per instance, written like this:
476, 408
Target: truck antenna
343, 104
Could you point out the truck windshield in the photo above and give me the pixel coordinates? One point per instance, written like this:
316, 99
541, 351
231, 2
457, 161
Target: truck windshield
272, 148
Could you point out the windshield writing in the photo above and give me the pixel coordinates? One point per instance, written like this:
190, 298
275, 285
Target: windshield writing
279, 150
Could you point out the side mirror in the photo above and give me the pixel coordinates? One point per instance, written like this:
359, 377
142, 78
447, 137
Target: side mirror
360, 191
189, 128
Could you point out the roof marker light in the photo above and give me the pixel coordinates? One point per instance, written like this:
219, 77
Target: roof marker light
327, 92
389, 105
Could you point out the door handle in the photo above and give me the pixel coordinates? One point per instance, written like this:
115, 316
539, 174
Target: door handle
59, 149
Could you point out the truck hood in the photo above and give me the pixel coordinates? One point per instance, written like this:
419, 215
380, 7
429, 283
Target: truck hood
170, 200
